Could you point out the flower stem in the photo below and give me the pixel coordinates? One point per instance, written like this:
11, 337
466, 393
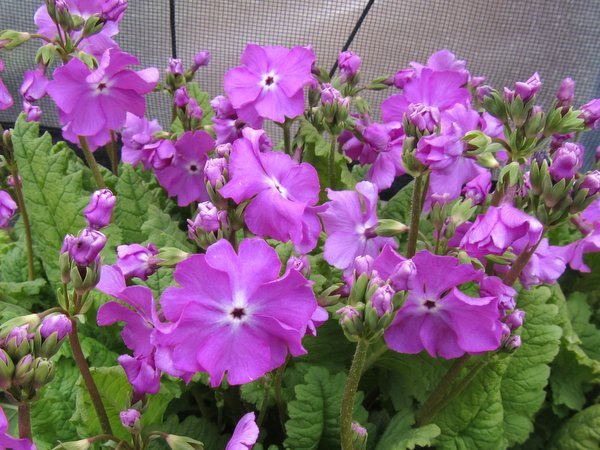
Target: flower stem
287, 139
112, 154
519, 264
89, 157
26, 224
25, 420
352, 381
89, 380
279, 392
431, 406
263, 406
415, 217
331, 162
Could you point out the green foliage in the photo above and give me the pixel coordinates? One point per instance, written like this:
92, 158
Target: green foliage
400, 436
581, 432
53, 191
398, 207
314, 413
197, 428
24, 293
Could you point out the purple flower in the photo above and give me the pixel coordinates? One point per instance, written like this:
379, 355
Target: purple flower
441, 319
282, 192
349, 64
141, 373
6, 100
381, 146
137, 261
245, 434
130, 418
496, 230
222, 107
591, 182
56, 323
546, 265
566, 93
439, 151
194, 110
382, 300
34, 85
95, 44
175, 67
184, 178
443, 61
92, 103
137, 136
181, 98
494, 287
350, 220
270, 82
113, 10
214, 170
527, 89
573, 253
234, 313
201, 59
160, 154
363, 264
33, 113
86, 247
208, 219
402, 77
9, 442
300, 263
590, 113
99, 210
478, 188
566, 161
7, 208
429, 93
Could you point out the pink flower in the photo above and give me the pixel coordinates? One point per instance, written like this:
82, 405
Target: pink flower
283, 193
245, 434
6, 100
137, 137
184, 178
439, 318
135, 260
350, 220
34, 85
478, 188
92, 103
9, 442
234, 313
270, 82
8, 207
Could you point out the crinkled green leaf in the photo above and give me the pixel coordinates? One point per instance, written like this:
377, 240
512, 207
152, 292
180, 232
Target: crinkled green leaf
314, 413
25, 293
319, 348
398, 207
399, 435
162, 231
53, 191
580, 432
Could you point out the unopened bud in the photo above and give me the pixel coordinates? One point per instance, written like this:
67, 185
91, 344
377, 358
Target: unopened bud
390, 228
403, 276
183, 443
130, 419
515, 319
44, 371
513, 343
359, 436
350, 321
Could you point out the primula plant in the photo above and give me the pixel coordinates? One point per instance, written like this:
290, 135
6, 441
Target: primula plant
335, 282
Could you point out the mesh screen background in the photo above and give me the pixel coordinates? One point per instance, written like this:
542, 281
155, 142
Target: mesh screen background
506, 40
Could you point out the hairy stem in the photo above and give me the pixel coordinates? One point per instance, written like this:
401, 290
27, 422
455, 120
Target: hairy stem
25, 420
26, 224
519, 264
89, 157
287, 139
352, 381
112, 154
263, 406
415, 217
430, 407
89, 380
331, 161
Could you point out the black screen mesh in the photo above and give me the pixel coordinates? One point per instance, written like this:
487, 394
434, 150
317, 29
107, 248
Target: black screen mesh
506, 40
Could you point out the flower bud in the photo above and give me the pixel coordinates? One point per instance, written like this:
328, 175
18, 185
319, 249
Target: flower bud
7, 208
83, 444
403, 276
43, 372
214, 171
483, 91
478, 188
513, 343
515, 319
56, 323
423, 117
591, 182
175, 67
494, 287
363, 264
590, 113
566, 161
181, 97
349, 64
208, 219
390, 228
222, 107
526, 90
194, 110
86, 247
350, 321
7, 370
17, 342
382, 300
201, 59
565, 93
137, 261
329, 94
113, 10
183, 443
10, 39
23, 371
130, 419
299, 263
33, 113
224, 150
403, 76
359, 436
99, 210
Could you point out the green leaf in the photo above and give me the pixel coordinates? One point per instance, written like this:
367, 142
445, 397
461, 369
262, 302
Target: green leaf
53, 191
162, 231
314, 414
400, 436
581, 432
398, 207
197, 428
51, 413
25, 293
316, 152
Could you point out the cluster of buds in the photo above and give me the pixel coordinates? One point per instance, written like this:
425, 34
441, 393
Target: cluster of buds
334, 109
26, 345
372, 302
208, 226
187, 109
446, 216
79, 258
513, 320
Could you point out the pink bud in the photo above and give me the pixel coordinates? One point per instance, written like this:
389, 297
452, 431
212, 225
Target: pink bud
515, 319
181, 98
214, 170
99, 210
130, 418
382, 300
56, 323
201, 59
403, 276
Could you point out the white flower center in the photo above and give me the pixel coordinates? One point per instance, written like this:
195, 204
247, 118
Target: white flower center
269, 81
